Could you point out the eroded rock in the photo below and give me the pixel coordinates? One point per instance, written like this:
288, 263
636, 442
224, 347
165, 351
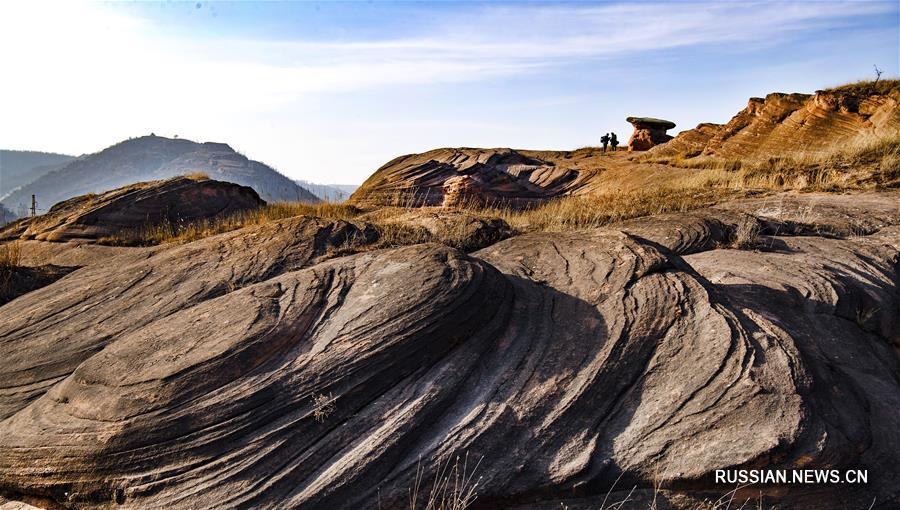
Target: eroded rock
648, 132
460, 229
793, 123
453, 177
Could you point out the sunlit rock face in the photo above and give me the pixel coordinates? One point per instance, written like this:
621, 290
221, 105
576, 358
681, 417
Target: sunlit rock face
648, 132
786, 124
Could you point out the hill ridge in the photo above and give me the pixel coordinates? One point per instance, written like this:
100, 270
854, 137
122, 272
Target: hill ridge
150, 158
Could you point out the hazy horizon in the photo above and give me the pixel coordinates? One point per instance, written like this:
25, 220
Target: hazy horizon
328, 92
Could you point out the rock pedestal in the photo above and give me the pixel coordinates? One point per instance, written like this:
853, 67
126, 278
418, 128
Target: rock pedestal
648, 132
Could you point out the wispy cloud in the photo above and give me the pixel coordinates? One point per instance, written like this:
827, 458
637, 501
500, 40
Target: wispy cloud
83, 68
98, 50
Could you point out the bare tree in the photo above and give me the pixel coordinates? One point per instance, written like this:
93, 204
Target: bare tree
877, 72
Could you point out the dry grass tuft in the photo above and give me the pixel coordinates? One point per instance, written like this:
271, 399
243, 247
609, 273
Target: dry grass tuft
10, 259
198, 176
10, 255
454, 487
323, 407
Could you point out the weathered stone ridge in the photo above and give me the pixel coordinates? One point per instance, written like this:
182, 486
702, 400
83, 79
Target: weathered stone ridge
451, 177
793, 123
266, 373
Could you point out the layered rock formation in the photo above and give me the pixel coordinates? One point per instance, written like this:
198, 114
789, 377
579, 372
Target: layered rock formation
648, 132
500, 177
138, 206
459, 229
249, 370
150, 158
783, 124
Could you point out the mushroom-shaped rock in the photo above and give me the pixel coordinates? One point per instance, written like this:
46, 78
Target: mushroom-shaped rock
648, 132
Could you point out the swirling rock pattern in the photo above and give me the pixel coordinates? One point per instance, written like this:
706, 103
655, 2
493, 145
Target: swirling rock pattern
251, 370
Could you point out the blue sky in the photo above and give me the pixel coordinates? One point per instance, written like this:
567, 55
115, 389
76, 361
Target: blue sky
328, 91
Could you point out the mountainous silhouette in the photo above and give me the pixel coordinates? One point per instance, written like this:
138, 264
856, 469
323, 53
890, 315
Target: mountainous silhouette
151, 158
18, 168
329, 192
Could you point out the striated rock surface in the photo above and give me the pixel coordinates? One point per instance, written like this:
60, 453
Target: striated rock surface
138, 206
793, 123
648, 132
247, 370
459, 229
453, 177
78, 315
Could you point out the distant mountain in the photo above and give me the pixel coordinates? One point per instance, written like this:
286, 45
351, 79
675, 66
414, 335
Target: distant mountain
151, 158
6, 215
329, 192
18, 168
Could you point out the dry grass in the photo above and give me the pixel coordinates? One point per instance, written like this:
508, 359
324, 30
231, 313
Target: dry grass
197, 176
10, 255
454, 487
597, 210
867, 88
323, 407
10, 259
168, 232
872, 162
391, 233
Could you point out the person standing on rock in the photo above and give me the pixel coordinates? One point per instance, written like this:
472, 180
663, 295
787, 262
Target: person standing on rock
605, 141
613, 141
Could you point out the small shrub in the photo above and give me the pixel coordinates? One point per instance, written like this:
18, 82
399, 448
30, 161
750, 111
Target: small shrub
323, 407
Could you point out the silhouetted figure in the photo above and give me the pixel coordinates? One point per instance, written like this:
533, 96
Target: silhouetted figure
605, 141
613, 141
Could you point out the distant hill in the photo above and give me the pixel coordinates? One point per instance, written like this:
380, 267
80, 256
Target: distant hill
6, 215
18, 168
151, 158
329, 192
